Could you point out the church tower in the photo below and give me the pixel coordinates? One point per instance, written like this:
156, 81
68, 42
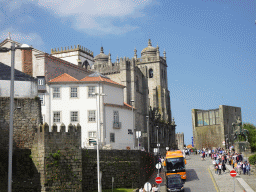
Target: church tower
159, 95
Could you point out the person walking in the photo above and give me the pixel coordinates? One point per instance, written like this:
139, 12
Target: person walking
154, 188
248, 168
220, 167
223, 167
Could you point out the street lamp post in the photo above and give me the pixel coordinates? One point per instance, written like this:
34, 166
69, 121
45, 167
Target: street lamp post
148, 133
132, 101
98, 135
12, 49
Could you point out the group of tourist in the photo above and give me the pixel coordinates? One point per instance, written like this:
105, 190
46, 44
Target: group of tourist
154, 189
220, 157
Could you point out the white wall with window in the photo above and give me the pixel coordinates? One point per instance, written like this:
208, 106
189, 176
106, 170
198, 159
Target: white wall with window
118, 121
73, 102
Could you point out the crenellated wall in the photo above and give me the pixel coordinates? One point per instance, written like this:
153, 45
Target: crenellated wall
58, 158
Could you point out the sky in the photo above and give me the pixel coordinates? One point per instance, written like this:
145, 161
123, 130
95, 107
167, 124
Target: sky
209, 44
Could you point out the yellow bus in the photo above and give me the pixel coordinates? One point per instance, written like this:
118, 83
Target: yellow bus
175, 164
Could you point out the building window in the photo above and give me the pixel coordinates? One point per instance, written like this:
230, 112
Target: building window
112, 137
211, 114
91, 116
41, 96
199, 119
40, 82
217, 117
56, 92
74, 116
150, 73
92, 138
90, 91
116, 117
137, 83
206, 118
73, 92
56, 117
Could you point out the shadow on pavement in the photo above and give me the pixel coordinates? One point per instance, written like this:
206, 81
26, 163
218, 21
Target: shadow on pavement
191, 175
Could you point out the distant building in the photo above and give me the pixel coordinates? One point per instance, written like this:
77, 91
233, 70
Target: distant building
24, 85
72, 100
213, 127
180, 140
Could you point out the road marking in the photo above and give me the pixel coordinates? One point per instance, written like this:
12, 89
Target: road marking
213, 180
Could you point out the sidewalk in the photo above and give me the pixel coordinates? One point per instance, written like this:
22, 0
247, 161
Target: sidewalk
162, 175
225, 182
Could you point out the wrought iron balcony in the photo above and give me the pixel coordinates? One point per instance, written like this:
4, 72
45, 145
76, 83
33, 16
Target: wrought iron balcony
117, 125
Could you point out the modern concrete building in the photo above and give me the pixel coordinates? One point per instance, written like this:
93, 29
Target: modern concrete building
213, 127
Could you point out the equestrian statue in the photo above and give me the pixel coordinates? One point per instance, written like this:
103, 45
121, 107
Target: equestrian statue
238, 130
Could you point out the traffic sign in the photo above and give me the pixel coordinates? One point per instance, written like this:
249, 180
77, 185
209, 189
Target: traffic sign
233, 173
158, 165
147, 186
158, 180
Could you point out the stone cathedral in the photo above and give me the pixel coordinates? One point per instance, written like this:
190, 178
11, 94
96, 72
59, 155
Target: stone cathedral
146, 88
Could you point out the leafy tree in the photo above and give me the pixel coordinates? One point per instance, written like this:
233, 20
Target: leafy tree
252, 135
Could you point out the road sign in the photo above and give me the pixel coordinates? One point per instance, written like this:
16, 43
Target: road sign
233, 173
158, 165
147, 186
158, 180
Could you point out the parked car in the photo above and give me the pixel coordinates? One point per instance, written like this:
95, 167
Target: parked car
174, 183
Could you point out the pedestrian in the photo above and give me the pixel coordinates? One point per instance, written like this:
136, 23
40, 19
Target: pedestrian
141, 190
248, 168
154, 188
223, 167
220, 167
244, 167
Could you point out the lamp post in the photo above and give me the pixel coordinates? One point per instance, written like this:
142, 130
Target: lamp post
148, 133
98, 135
132, 101
12, 49
158, 144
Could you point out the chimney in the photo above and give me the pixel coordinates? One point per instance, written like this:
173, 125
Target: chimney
27, 65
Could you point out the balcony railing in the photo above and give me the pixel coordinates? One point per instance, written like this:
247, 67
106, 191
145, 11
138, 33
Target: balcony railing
117, 125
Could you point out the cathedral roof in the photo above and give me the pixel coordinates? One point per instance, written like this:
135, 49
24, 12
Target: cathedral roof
149, 50
101, 56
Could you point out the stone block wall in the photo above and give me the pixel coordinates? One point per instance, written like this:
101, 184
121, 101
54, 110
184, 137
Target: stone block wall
130, 168
27, 116
57, 157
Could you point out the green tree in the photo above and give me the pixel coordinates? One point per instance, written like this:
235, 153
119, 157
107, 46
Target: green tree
252, 135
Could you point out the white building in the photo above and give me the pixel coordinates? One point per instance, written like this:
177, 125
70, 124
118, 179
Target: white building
72, 101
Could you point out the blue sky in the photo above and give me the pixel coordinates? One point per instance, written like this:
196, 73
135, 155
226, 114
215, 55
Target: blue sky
210, 45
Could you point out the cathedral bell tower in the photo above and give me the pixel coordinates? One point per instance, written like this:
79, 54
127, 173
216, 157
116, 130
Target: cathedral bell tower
159, 95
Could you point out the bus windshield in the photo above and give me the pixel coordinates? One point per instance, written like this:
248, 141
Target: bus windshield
175, 165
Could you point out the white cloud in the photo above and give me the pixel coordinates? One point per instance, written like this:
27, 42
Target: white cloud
98, 15
28, 38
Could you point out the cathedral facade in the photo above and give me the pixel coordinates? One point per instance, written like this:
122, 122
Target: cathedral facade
146, 89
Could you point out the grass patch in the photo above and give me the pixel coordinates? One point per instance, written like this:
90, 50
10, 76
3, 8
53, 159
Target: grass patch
117, 190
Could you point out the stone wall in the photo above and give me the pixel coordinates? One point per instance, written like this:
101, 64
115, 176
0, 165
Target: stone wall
130, 168
180, 140
27, 115
57, 157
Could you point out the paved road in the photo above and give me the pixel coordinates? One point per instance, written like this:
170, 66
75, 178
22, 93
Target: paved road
198, 175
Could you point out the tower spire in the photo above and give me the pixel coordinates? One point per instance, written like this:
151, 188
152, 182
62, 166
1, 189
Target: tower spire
135, 53
101, 50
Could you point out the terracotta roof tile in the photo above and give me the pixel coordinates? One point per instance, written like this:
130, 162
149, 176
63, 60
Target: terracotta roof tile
125, 106
101, 79
63, 78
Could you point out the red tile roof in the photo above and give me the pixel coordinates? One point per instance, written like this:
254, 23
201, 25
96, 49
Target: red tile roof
68, 78
63, 78
100, 79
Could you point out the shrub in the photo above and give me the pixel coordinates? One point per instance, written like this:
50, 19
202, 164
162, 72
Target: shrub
252, 159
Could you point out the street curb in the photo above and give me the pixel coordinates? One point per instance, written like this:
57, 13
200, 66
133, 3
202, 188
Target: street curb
213, 180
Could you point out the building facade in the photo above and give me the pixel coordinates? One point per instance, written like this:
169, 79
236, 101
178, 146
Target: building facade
180, 140
146, 89
74, 101
213, 128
